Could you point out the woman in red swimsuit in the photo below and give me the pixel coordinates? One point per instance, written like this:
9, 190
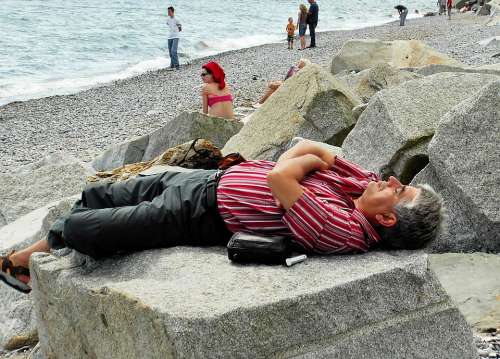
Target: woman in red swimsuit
216, 95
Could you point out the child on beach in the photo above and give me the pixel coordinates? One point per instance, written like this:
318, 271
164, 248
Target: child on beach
290, 29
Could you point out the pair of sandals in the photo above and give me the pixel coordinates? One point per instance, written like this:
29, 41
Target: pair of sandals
9, 273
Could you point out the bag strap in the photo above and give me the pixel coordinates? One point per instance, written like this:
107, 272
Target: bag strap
230, 160
191, 147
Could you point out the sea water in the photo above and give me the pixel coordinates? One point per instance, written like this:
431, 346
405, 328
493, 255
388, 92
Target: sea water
62, 46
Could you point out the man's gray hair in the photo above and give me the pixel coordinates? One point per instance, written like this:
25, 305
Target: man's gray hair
418, 221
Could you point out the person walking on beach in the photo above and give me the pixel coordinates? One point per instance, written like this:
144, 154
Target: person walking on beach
312, 20
442, 6
174, 27
216, 96
290, 30
449, 5
302, 25
403, 11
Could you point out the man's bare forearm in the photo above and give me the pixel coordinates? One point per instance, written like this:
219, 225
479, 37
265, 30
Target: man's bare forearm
308, 147
284, 179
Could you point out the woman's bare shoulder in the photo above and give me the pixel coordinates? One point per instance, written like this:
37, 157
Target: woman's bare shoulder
210, 88
206, 88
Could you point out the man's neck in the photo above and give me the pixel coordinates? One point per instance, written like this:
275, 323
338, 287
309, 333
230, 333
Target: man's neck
359, 207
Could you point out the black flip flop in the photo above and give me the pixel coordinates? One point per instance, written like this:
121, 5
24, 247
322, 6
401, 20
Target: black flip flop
10, 277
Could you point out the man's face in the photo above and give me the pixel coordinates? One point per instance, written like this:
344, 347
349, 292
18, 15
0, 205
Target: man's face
170, 12
378, 200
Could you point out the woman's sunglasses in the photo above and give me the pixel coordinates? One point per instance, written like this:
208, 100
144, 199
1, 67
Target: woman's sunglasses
203, 74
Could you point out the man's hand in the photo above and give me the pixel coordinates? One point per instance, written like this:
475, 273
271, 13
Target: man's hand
309, 147
284, 179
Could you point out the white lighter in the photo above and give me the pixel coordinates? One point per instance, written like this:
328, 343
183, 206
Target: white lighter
294, 260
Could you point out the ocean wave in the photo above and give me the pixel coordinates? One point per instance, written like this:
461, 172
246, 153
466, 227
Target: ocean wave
29, 88
216, 46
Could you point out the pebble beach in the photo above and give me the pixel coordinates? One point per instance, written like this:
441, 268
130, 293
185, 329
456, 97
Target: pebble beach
85, 123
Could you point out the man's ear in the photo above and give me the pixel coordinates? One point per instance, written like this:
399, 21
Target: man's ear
387, 220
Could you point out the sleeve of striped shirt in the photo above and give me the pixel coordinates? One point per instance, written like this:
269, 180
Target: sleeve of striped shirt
348, 169
323, 228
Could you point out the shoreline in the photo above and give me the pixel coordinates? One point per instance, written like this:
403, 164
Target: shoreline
128, 72
87, 122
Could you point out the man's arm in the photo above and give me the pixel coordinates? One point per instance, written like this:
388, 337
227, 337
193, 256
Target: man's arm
284, 179
309, 147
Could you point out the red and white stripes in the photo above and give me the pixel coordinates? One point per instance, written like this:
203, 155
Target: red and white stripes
324, 220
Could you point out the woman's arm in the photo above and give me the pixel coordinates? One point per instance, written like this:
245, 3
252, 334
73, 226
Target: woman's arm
204, 99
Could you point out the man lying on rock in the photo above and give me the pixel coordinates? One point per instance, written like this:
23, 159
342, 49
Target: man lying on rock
325, 203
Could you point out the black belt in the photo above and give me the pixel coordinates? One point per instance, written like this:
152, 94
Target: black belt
212, 183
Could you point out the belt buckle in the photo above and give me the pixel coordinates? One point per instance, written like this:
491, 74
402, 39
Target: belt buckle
218, 175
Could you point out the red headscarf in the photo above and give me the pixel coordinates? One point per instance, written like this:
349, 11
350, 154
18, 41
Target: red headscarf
217, 73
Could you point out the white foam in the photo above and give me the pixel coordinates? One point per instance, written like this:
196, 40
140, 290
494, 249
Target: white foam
31, 88
216, 46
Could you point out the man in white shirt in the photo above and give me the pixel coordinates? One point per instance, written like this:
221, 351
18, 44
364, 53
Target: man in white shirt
173, 38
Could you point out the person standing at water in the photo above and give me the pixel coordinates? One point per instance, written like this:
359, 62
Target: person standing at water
302, 25
442, 6
174, 27
449, 5
312, 20
403, 11
216, 96
290, 31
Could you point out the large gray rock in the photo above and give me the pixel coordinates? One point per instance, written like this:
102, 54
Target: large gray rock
464, 156
368, 82
189, 126
122, 154
470, 281
18, 320
392, 134
193, 303
312, 104
357, 55
185, 127
435, 69
32, 186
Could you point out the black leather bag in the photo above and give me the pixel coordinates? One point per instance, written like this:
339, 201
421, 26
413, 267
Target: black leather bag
250, 248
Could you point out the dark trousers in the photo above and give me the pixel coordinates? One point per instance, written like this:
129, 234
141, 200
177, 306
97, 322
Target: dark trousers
312, 33
402, 17
165, 210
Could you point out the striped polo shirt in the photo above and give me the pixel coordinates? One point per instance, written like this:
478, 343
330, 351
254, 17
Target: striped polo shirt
324, 219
